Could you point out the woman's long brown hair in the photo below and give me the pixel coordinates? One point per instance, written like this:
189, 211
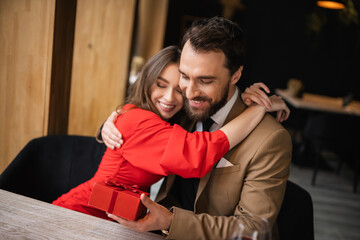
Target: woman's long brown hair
140, 91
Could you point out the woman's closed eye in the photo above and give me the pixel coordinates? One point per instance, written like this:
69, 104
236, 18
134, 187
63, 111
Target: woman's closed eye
160, 85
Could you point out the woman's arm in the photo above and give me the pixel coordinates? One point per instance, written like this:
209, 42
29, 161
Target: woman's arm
241, 126
153, 145
112, 138
253, 94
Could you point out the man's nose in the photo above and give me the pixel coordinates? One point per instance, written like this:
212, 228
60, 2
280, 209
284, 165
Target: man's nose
191, 90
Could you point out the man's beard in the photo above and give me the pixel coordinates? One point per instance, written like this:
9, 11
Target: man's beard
207, 113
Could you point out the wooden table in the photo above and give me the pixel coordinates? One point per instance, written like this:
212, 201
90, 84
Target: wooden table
320, 103
26, 218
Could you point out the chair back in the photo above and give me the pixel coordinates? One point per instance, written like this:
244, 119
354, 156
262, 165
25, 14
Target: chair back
49, 166
296, 218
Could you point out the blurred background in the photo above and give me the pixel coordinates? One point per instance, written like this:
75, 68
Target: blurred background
286, 39
66, 65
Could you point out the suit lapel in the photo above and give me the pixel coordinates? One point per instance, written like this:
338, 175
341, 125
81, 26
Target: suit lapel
236, 109
165, 187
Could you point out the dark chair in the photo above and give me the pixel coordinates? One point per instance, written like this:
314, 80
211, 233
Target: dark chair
50, 166
334, 133
296, 219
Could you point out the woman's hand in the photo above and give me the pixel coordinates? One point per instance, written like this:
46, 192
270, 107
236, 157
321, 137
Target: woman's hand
280, 107
110, 134
256, 93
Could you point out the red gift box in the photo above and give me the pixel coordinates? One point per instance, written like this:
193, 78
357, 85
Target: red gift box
119, 199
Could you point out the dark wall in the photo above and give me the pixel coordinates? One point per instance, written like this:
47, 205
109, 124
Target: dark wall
281, 46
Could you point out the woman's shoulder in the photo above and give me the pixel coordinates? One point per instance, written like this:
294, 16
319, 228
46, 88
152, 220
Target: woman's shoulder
133, 116
136, 120
131, 110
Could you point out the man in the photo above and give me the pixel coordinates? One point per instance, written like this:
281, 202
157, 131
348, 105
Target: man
251, 178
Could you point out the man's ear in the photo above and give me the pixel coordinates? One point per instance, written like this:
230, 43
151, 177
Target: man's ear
236, 76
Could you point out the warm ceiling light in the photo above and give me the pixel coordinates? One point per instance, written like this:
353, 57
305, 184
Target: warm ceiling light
331, 4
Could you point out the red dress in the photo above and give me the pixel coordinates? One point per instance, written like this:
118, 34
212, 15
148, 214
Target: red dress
152, 149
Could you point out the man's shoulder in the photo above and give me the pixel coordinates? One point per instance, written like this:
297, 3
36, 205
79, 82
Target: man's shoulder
268, 137
269, 123
270, 127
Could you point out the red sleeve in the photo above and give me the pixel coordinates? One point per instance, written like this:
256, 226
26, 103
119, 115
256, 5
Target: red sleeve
193, 154
154, 145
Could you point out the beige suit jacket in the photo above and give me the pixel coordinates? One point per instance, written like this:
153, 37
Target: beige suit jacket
255, 184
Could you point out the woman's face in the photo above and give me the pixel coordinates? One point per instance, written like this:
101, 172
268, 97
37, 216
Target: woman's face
166, 94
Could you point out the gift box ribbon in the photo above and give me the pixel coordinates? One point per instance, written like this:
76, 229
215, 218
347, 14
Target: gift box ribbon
133, 188
121, 187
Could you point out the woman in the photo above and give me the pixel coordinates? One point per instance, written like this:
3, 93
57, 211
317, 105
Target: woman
154, 148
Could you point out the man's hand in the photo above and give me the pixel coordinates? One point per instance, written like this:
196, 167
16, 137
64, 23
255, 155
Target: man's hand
110, 134
157, 218
256, 94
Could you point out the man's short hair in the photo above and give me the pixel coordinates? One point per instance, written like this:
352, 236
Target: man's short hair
218, 34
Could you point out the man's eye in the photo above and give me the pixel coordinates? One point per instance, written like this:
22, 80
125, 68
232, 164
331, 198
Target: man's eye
184, 77
206, 81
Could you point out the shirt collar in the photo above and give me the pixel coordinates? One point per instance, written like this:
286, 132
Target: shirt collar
220, 116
